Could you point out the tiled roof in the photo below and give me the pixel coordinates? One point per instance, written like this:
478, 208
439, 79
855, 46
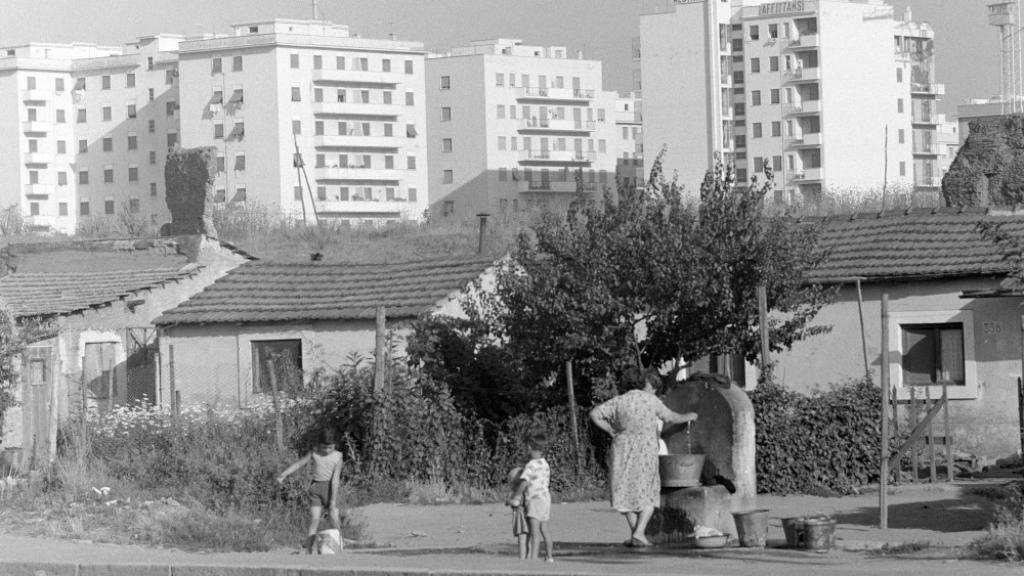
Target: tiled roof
280, 292
917, 244
48, 294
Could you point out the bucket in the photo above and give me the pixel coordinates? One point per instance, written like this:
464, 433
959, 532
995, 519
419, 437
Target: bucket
794, 530
680, 470
329, 541
819, 533
752, 528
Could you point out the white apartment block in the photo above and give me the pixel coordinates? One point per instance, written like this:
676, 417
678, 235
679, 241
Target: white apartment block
812, 88
514, 127
629, 166
355, 107
84, 130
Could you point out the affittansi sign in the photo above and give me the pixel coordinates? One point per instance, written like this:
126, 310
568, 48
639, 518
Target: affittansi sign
781, 7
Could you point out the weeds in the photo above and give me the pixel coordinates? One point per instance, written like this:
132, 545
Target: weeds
1004, 538
901, 549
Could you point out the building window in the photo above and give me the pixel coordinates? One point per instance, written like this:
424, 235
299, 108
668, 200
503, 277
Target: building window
108, 115
446, 145
903, 168
501, 111
151, 126
933, 354
58, 84
296, 126
108, 175
755, 33
502, 142
447, 177
294, 60
240, 193
172, 106
218, 130
408, 67
81, 117
236, 63
108, 207
129, 80
62, 178
899, 74
446, 82
83, 176
902, 135
499, 79
152, 188
776, 163
775, 95
755, 65
776, 128
446, 114
773, 31
757, 129
385, 65
133, 205
61, 116
215, 66
169, 76
62, 147
410, 99
133, 142
343, 194
83, 208
133, 173
239, 162
152, 157
172, 139
410, 162
899, 105
132, 113
755, 97
104, 82
773, 63
62, 209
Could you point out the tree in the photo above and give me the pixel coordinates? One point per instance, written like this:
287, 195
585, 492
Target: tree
647, 278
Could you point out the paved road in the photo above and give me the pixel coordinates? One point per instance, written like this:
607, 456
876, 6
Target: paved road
475, 540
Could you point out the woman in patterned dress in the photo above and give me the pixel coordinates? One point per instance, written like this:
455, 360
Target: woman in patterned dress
631, 419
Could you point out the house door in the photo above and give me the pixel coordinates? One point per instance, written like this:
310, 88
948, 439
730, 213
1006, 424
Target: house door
141, 351
577, 118
37, 395
102, 387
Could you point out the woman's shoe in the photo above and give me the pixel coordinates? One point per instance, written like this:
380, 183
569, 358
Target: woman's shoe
639, 542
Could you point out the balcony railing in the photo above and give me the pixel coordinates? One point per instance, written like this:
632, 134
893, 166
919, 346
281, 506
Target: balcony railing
556, 187
556, 156
539, 93
39, 190
362, 173
928, 148
556, 125
803, 74
805, 41
806, 175
357, 109
360, 76
35, 126
928, 88
928, 181
34, 95
356, 141
803, 140
804, 107
38, 158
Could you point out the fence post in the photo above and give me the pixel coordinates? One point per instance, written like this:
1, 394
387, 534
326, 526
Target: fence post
883, 480
380, 361
278, 422
84, 413
932, 473
762, 312
173, 393
950, 468
573, 417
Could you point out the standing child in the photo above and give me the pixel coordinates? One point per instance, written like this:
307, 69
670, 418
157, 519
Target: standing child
536, 496
520, 528
323, 491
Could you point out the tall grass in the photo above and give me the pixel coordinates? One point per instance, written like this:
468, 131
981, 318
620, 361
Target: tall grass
853, 200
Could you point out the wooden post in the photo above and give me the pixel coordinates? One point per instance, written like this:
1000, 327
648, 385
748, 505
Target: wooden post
573, 417
85, 404
863, 334
883, 477
278, 420
950, 469
762, 312
914, 464
483, 233
380, 362
170, 385
932, 473
1020, 388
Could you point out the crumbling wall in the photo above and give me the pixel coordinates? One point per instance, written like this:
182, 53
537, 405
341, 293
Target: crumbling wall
189, 175
989, 168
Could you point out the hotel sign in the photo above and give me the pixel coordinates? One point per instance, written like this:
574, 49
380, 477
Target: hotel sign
781, 8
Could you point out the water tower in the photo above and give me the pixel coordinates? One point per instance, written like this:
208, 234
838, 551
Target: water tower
1005, 15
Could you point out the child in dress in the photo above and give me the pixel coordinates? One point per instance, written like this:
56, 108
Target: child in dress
323, 491
536, 495
520, 528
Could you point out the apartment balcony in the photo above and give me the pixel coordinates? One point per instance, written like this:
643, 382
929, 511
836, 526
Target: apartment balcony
807, 175
805, 140
537, 156
39, 191
805, 42
344, 209
34, 95
535, 125
555, 187
927, 88
926, 149
35, 126
38, 158
807, 107
358, 76
803, 75
354, 141
358, 173
357, 109
551, 94
922, 118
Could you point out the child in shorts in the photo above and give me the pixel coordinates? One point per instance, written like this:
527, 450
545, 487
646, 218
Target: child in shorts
520, 528
536, 496
323, 490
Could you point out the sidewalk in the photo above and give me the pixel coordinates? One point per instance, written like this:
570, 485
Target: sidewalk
461, 539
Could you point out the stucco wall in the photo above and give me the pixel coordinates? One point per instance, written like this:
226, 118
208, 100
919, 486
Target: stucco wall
983, 413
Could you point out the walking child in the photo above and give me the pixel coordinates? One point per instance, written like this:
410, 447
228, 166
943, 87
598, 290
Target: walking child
323, 490
536, 495
520, 528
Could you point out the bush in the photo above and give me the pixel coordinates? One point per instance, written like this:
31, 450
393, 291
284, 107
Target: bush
1004, 539
827, 442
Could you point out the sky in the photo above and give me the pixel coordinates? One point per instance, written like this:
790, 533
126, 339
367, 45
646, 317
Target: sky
967, 49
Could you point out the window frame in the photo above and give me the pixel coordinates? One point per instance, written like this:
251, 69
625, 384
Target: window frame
898, 319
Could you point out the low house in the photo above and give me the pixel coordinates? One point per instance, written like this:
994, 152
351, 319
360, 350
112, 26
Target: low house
96, 302
926, 261
267, 324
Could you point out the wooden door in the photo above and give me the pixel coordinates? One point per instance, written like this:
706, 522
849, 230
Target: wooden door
38, 391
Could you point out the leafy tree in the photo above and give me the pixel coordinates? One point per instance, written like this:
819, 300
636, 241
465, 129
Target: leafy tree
647, 278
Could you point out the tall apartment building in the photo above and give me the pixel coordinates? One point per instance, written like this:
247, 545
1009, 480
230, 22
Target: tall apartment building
513, 126
354, 107
812, 88
84, 130
629, 165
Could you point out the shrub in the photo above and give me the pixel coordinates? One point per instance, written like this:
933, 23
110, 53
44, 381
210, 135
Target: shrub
1004, 538
822, 443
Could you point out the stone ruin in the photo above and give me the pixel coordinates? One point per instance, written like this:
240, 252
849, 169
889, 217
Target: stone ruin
189, 175
989, 168
724, 433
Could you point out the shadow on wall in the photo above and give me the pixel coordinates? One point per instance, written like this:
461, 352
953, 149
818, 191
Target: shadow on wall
507, 192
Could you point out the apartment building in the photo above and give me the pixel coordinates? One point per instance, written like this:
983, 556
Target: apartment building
834, 95
84, 131
629, 164
514, 127
353, 108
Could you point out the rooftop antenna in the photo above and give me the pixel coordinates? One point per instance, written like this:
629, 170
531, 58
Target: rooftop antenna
300, 172
1005, 15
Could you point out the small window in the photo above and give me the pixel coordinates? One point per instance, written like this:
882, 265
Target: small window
218, 130
215, 66
108, 207
446, 114
755, 98
296, 94
83, 208
236, 63
448, 177
152, 189
408, 67
81, 116
318, 62
757, 130
62, 209
933, 354
446, 145
410, 162
773, 63
108, 114
239, 162
108, 175
775, 95
294, 60
83, 146
755, 65
133, 142
499, 79
108, 144
899, 74
296, 126
410, 99
446, 82
773, 31
132, 112
129, 80
385, 65
755, 33
133, 173
104, 84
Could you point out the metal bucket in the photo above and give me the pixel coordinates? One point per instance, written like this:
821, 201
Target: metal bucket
680, 470
752, 528
810, 533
